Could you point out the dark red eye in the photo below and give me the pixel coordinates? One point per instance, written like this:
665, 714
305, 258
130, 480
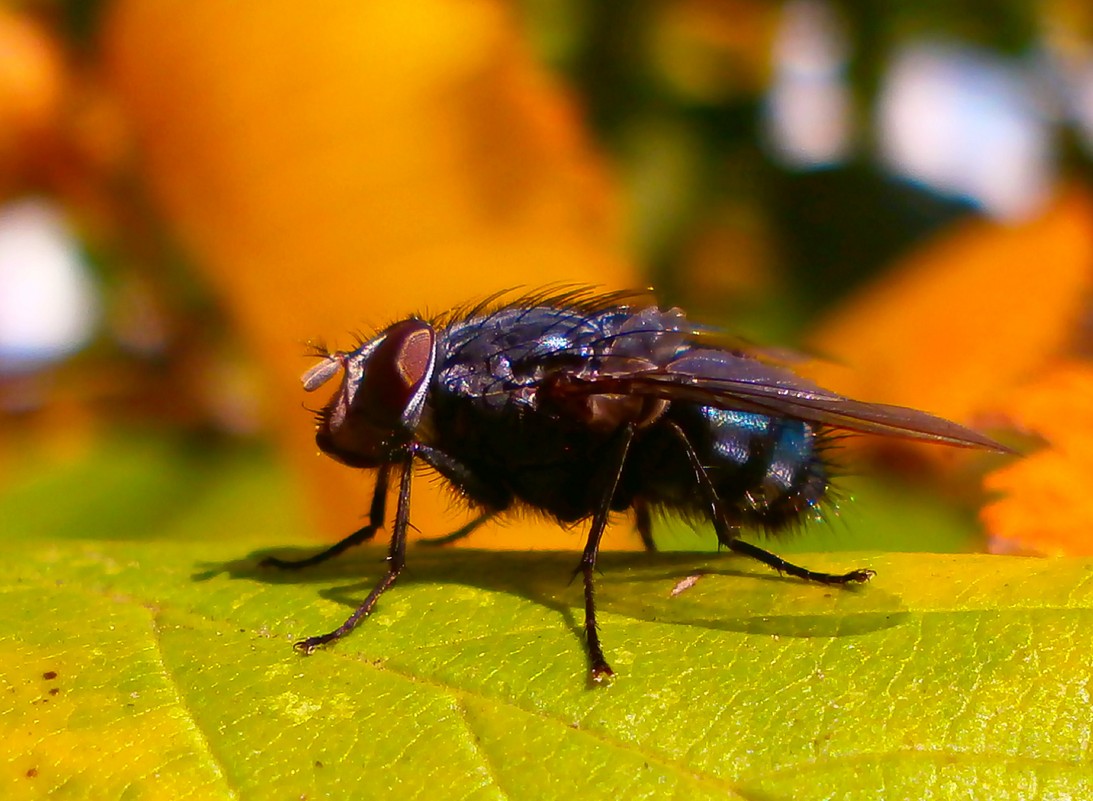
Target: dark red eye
395, 371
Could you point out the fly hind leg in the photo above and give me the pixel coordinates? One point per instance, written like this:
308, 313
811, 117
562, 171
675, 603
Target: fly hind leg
727, 534
782, 566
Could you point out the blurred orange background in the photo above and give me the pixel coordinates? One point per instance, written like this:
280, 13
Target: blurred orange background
460, 169
241, 179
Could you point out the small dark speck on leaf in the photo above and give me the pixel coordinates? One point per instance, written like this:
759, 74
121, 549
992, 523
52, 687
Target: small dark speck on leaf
49, 675
32, 773
53, 691
318, 764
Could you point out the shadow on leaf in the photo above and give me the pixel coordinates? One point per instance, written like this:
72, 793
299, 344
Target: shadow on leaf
744, 597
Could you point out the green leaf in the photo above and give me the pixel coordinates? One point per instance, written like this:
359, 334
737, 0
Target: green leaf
165, 670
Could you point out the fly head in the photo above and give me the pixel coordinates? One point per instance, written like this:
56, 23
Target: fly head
377, 407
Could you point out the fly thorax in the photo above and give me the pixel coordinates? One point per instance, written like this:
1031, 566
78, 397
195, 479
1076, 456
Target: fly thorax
603, 412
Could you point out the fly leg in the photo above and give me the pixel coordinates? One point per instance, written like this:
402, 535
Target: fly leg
493, 499
366, 532
396, 560
459, 533
643, 521
782, 566
599, 669
727, 534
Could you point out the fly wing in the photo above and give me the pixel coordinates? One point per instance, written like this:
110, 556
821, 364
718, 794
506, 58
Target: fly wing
723, 380
710, 337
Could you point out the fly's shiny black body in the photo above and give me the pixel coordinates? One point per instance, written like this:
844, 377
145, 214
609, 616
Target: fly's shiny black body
577, 405
494, 411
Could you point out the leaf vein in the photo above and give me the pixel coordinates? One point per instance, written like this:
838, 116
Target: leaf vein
479, 749
203, 742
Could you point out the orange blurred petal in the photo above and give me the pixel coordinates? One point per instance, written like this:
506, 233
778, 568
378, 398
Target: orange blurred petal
32, 85
1048, 505
331, 169
967, 316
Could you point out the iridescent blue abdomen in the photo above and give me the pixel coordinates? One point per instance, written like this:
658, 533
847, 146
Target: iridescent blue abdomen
767, 471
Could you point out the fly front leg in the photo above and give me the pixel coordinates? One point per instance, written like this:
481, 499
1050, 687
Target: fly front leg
727, 534
599, 670
396, 560
376, 514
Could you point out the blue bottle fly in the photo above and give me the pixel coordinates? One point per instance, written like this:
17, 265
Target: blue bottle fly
580, 404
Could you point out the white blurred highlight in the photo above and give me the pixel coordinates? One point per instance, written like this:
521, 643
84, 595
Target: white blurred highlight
808, 105
967, 123
48, 306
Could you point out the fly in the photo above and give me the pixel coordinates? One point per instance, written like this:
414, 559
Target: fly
580, 404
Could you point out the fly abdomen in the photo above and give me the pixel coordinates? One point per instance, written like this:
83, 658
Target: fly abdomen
767, 471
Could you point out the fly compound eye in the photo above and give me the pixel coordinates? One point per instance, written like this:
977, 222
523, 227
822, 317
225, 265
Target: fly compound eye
397, 370
322, 372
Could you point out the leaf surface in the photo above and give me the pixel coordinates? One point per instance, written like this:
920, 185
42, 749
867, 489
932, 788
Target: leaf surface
165, 670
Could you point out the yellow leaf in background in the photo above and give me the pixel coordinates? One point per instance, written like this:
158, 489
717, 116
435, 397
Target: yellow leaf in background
1047, 505
962, 320
333, 170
